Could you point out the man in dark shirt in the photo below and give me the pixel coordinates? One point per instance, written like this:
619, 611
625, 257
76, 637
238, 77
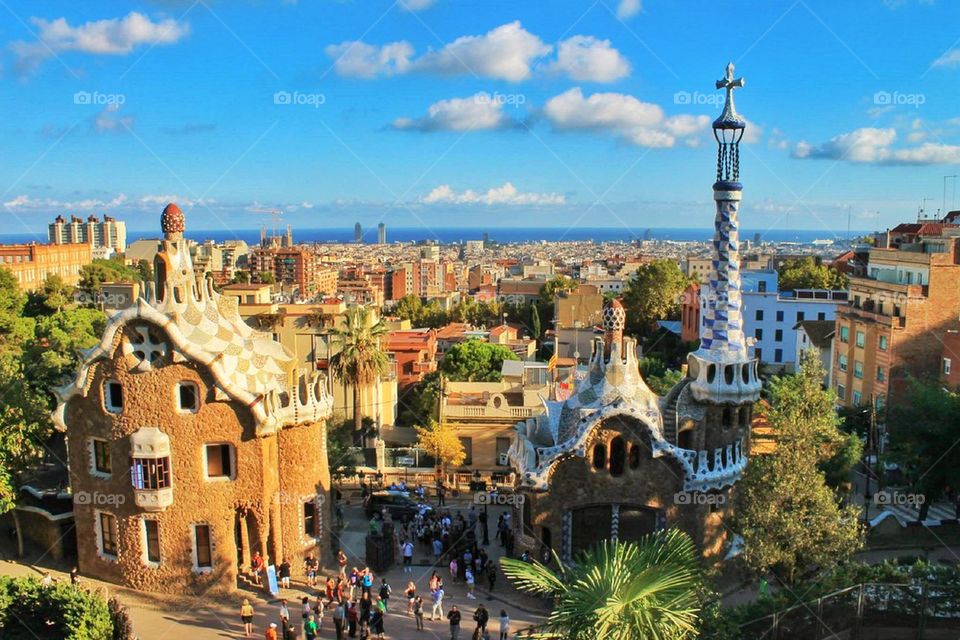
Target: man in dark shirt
454, 617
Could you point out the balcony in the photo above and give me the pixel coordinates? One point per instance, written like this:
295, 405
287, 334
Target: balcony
503, 412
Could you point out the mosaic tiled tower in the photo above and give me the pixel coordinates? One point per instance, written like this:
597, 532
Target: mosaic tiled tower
722, 372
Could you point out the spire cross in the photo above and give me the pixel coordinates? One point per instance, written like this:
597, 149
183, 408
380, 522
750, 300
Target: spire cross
730, 84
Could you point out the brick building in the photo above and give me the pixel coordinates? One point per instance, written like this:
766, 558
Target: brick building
415, 351
178, 425
294, 266
32, 263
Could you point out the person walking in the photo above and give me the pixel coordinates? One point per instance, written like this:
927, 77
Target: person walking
437, 599
418, 612
310, 629
339, 619
271, 632
454, 618
481, 616
366, 582
310, 567
353, 617
342, 563
407, 549
491, 577
468, 578
256, 565
385, 592
504, 625
376, 620
284, 572
411, 593
284, 615
246, 617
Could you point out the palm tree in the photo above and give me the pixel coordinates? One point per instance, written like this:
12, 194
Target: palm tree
360, 360
619, 590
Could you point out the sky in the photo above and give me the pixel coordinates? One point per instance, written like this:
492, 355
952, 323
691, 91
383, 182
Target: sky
499, 113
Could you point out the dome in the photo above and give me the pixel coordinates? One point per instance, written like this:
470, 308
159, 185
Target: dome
614, 316
171, 220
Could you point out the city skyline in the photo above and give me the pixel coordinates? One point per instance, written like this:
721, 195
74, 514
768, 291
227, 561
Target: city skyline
415, 114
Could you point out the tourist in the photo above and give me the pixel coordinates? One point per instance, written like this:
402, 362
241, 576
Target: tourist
47, 579
366, 581
470, 584
435, 581
407, 549
306, 607
385, 592
284, 615
483, 527
441, 493
453, 570
246, 616
418, 612
310, 566
437, 600
284, 573
329, 588
256, 565
353, 616
271, 632
491, 577
291, 632
454, 618
75, 576
354, 581
411, 593
339, 619
481, 616
342, 563
365, 606
310, 629
504, 625
318, 608
376, 620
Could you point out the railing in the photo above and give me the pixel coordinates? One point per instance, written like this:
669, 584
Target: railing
866, 611
483, 411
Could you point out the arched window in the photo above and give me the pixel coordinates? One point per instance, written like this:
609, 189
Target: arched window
634, 456
618, 456
685, 439
727, 418
728, 373
599, 456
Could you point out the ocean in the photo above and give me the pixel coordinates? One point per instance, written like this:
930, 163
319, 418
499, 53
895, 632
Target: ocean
505, 235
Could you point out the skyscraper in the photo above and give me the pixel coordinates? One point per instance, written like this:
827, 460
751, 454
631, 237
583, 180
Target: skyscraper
357, 233
381, 233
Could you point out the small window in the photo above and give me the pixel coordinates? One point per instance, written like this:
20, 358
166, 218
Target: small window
101, 457
202, 549
468, 450
857, 398
857, 369
778, 355
947, 364
599, 456
310, 517
778, 335
113, 397
634, 456
219, 461
821, 316
844, 334
188, 399
779, 316
150, 474
758, 352
861, 339
759, 315
841, 392
151, 534
881, 374
800, 316
842, 362
618, 456
758, 334
107, 524
882, 343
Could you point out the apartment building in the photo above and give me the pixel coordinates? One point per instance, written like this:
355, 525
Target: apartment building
109, 234
32, 263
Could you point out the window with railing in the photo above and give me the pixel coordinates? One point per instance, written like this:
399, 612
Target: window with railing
150, 474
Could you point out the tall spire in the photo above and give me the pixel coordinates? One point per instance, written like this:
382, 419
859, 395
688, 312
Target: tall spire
722, 370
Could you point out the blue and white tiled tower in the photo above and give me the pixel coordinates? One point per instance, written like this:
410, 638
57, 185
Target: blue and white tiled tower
721, 370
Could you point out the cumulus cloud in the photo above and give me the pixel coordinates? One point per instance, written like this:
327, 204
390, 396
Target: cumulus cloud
506, 194
508, 52
641, 123
358, 59
950, 58
477, 112
416, 5
25, 202
587, 59
869, 145
109, 120
114, 36
628, 9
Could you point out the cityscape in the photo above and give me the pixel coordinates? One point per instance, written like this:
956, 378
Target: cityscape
462, 319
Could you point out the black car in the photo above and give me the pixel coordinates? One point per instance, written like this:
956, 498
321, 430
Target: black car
399, 504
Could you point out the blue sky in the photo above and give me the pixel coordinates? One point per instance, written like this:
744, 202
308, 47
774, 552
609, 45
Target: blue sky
474, 112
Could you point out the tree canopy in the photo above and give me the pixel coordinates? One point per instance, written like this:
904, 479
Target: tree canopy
654, 293
475, 360
788, 516
809, 273
360, 358
442, 442
99, 271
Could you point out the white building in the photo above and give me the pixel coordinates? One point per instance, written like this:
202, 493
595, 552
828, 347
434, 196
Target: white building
108, 236
816, 335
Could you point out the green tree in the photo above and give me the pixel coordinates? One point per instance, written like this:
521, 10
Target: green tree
240, 277
409, 308
555, 286
475, 361
93, 275
266, 277
422, 402
360, 360
57, 294
534, 321
29, 610
653, 294
922, 427
443, 443
788, 516
619, 590
809, 273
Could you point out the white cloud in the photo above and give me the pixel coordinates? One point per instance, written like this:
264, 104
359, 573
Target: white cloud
641, 123
587, 59
870, 145
416, 5
114, 36
477, 112
506, 194
508, 52
504, 53
358, 59
628, 9
950, 58
109, 120
24, 202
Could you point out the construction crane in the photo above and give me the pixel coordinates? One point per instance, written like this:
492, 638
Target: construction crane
276, 216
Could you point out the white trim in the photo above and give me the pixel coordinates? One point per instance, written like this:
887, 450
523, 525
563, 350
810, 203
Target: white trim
196, 397
233, 462
96, 473
108, 406
143, 543
109, 557
193, 547
46, 514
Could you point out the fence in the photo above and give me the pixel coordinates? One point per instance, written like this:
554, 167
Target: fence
866, 612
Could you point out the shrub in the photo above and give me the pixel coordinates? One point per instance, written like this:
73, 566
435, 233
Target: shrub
29, 610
